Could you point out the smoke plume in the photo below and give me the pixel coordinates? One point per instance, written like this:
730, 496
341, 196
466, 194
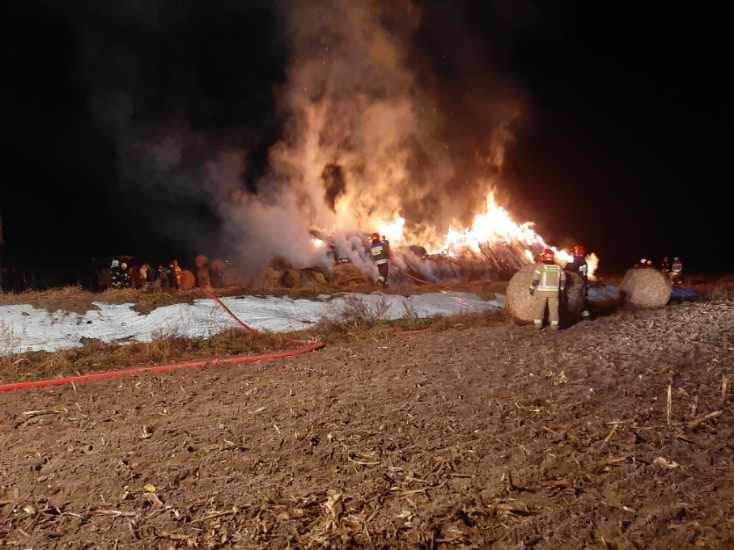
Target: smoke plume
386, 108
362, 96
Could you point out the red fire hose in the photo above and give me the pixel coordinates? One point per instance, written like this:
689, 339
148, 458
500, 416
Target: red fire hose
416, 279
305, 347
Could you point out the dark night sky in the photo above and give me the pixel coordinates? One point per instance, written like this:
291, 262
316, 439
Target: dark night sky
624, 150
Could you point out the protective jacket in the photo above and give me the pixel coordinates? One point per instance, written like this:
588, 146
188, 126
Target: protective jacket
379, 252
580, 266
548, 278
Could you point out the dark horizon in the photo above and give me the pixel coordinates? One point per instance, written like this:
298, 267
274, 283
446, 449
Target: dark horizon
623, 148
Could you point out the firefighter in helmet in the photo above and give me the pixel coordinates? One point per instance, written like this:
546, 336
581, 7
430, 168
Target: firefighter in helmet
116, 274
665, 265
579, 265
379, 252
547, 284
176, 273
676, 271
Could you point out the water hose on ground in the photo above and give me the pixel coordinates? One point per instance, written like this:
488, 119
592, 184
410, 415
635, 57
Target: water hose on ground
416, 279
305, 346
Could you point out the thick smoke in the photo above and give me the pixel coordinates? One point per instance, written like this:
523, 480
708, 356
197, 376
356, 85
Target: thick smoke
386, 108
362, 96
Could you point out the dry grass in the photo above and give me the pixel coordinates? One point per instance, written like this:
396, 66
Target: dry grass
74, 299
721, 289
96, 355
358, 324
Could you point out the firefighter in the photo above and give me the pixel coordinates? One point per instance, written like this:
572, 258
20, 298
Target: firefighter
665, 265
164, 277
379, 253
116, 274
386, 244
547, 284
579, 265
175, 277
676, 271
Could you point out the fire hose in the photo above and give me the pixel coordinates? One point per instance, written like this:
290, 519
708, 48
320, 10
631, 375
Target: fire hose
416, 279
306, 346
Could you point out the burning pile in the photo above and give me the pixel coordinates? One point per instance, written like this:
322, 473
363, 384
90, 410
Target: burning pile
494, 246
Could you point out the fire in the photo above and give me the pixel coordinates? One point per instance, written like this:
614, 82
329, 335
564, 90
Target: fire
492, 227
593, 262
393, 230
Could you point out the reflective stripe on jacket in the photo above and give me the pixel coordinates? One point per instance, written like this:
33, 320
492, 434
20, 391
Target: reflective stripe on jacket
549, 277
379, 255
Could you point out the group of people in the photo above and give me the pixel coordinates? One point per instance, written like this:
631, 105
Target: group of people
546, 287
674, 270
169, 276
548, 283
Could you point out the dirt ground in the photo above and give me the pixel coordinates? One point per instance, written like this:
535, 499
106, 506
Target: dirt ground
615, 433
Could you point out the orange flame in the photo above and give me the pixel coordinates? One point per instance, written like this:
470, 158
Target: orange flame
493, 226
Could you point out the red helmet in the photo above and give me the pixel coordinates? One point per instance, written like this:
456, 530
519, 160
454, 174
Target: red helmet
578, 250
548, 255
375, 237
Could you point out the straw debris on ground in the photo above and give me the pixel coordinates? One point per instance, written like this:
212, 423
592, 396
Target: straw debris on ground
616, 433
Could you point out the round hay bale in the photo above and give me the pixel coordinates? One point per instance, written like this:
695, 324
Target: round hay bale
646, 288
348, 276
291, 278
313, 279
268, 279
217, 270
232, 275
188, 281
202, 277
522, 306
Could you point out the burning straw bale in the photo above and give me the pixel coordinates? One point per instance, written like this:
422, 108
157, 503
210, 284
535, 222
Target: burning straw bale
647, 288
268, 279
311, 278
291, 278
348, 276
522, 306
